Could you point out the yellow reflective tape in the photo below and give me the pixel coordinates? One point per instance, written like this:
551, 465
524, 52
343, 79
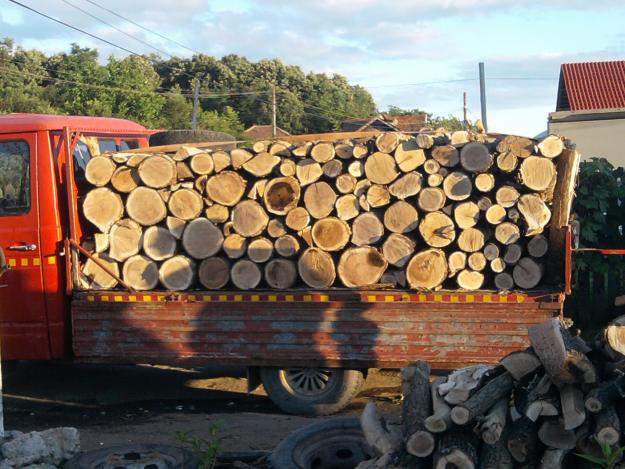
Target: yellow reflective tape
223, 297
438, 297
487, 299
422, 297
307, 297
147, 298
289, 298
324, 298
12, 262
389, 298
254, 297
273, 298
520, 298
191, 297
90, 298
503, 298
104, 298
405, 297
118, 298
24, 262
52, 260
470, 298
132, 298
207, 298
36, 262
239, 298
371, 298
160, 298
454, 298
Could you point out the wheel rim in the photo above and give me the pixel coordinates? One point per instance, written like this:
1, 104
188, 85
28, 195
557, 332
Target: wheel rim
309, 383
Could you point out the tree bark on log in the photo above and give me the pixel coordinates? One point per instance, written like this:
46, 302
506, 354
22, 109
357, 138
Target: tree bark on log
440, 420
458, 449
494, 423
523, 441
495, 456
483, 399
416, 407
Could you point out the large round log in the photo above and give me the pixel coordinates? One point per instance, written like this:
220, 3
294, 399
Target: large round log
330, 234
409, 156
345, 183
378, 196
347, 207
249, 218
466, 214
332, 169
397, 249
140, 272
124, 239
484, 182
245, 274
456, 262
98, 278
240, 156
262, 164
537, 173
213, 273
470, 279
202, 239
407, 185
260, 250
519, 146
538, 246
427, 269
280, 273
157, 171
185, 204
217, 213
103, 207
431, 199
287, 245
367, 229
507, 196
125, 179
527, 273
496, 214
513, 254
551, 146
99, 170
387, 142
457, 186
226, 188
361, 266
177, 273
471, 240
507, 233
380, 168
281, 195
202, 163
535, 213
316, 268
446, 155
221, 160
297, 219
235, 245
475, 157
308, 171
322, 152
401, 217
437, 230
504, 281
158, 243
319, 199
276, 228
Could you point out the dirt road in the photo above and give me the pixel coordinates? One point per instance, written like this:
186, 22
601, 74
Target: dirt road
117, 405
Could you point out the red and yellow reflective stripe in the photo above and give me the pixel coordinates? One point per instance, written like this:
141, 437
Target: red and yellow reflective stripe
19, 262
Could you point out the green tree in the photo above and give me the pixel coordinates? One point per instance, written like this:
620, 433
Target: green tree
225, 121
176, 112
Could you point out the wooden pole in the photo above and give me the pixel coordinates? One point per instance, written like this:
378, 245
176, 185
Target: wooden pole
465, 109
196, 104
274, 126
483, 95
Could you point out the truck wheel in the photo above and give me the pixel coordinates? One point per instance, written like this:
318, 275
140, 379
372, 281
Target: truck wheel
311, 391
135, 457
171, 137
337, 442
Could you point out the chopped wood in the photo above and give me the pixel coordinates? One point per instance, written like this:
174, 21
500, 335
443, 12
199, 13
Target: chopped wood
240, 156
446, 155
346, 183
460, 137
484, 203
287, 168
332, 169
245, 274
157, 171
477, 261
456, 449
100, 170
495, 456
470, 279
409, 156
202, 163
287, 245
491, 251
507, 196
347, 207
431, 167
457, 261
361, 187
552, 458
316, 268
427, 269
185, 152
319, 199
140, 272
280, 148
457, 186
437, 230
519, 146
344, 151
431, 199
607, 427
466, 214
493, 424
281, 195
249, 218
360, 151
221, 161
504, 281
125, 179
322, 152
416, 407
97, 276
440, 420
378, 196
103, 207
471, 240
435, 180
213, 273
537, 246
475, 157
380, 168
367, 229
280, 273
185, 204
297, 219
177, 273
175, 226
235, 246
331, 234
535, 213
551, 146
537, 173
375, 432
217, 213
507, 162
507, 233
387, 142
496, 214
483, 399
306, 235
425, 141
523, 440
262, 164
484, 182
276, 228
520, 364
527, 273
145, 206
553, 435
202, 239
260, 250
605, 395
308, 171
158, 243
361, 266
226, 188
401, 217
512, 254
397, 249
461, 382
356, 169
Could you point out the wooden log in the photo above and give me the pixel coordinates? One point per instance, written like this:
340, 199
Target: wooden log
435, 180
483, 399
135, 160
456, 449
200, 183
235, 246
553, 435
281, 195
297, 219
507, 233
507, 162
477, 261
373, 428
424, 141
460, 383
494, 422
140, 272
175, 226
158, 243
446, 155
542, 408
431, 166
103, 207
125, 179
537, 173
607, 429
537, 246
226, 188
416, 407
287, 245
322, 152
347, 207
100, 241
437, 230
523, 440
356, 169
202, 163
280, 148
261, 145
287, 168
331, 234
262, 164
177, 273
491, 251
245, 274
249, 218
427, 269
157, 171
397, 249
605, 395
308, 171
260, 249
475, 157
378, 196
409, 156
513, 254
362, 187
185, 204
527, 273
387, 142
213, 273
471, 240
552, 459
202, 239
316, 268
332, 169
361, 266
360, 151
466, 214
240, 156
280, 274
97, 277
520, 364
535, 213
504, 281
221, 161
496, 214
470, 279
457, 186
460, 137
319, 199
440, 420
380, 168
345, 183
520, 147
431, 199
217, 213
344, 151
484, 182
457, 261
401, 217
164, 194
185, 152
276, 228
367, 229
258, 189
495, 456
507, 196
302, 150
484, 203
551, 146
99, 170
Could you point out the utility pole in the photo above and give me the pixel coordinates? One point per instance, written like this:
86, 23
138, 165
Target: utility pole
465, 108
274, 127
483, 95
196, 104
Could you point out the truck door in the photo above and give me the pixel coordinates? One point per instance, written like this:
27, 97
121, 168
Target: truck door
23, 324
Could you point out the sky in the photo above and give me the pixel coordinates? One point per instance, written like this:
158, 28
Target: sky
412, 54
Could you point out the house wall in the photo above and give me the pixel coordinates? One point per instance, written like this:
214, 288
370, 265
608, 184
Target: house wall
595, 133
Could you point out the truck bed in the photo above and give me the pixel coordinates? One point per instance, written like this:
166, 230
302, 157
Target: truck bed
334, 328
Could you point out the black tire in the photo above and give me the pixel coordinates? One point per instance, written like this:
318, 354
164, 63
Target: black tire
173, 457
171, 137
303, 396
337, 443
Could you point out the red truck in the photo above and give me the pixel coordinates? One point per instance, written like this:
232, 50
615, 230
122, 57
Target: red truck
310, 349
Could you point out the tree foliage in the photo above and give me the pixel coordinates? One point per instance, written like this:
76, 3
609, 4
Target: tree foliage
449, 122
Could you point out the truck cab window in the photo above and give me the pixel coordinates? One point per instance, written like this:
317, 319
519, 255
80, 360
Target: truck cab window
14, 178
107, 145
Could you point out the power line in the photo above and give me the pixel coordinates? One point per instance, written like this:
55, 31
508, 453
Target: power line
142, 27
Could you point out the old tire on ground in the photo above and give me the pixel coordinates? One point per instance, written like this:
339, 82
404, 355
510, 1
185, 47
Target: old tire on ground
311, 391
171, 137
136, 456
336, 443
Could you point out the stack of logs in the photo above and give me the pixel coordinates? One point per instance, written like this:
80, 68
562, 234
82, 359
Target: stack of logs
392, 209
537, 408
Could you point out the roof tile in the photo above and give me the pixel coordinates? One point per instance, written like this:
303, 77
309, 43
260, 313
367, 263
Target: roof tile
594, 85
